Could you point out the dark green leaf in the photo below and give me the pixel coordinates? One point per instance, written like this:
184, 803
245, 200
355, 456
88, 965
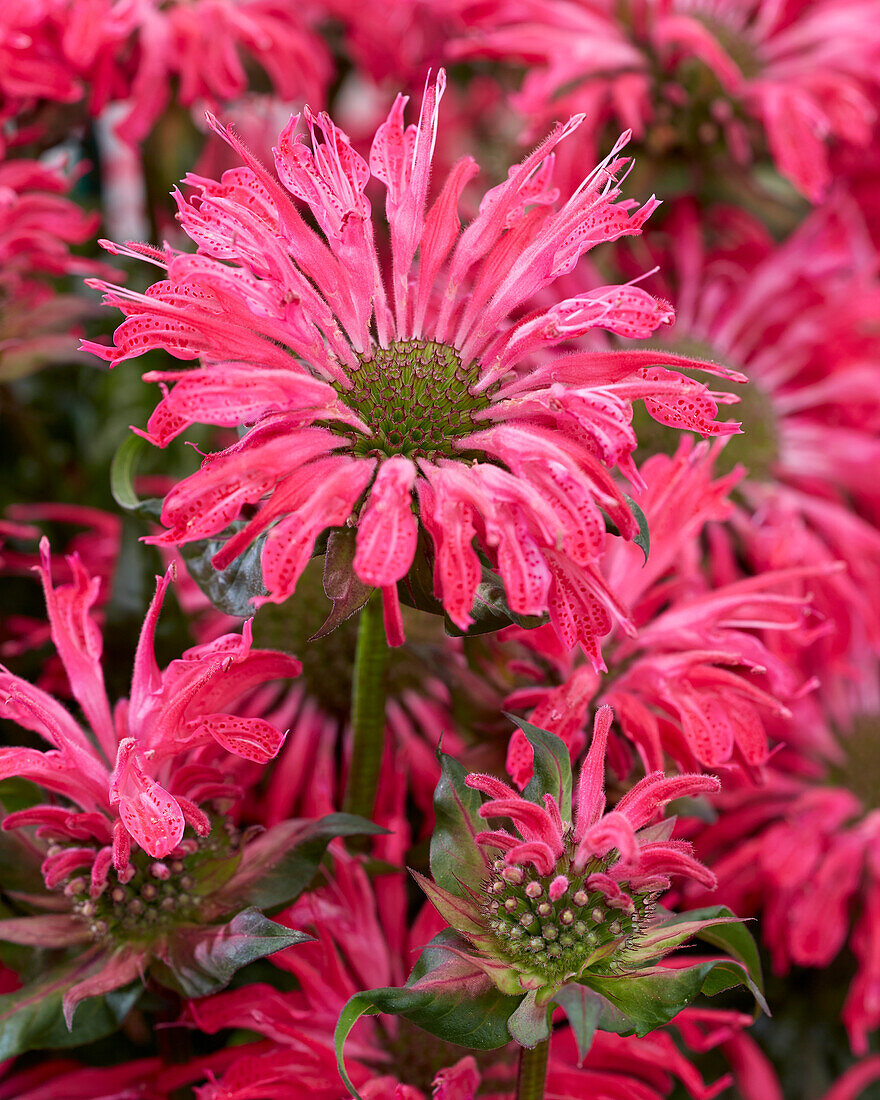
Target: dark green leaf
122, 474
232, 589
643, 538
490, 611
735, 939
552, 767
583, 1007
457, 861
476, 1021
196, 959
32, 1018
341, 584
280, 864
648, 999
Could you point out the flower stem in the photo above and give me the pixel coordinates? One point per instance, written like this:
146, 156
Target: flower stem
532, 1071
368, 695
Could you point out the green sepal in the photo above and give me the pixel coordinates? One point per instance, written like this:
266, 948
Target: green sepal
342, 585
456, 859
195, 960
529, 1023
551, 768
583, 1008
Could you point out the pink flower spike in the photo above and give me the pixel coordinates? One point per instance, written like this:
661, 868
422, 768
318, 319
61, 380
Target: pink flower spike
612, 830
387, 531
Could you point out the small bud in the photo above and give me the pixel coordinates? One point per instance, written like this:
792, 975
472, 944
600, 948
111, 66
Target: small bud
496, 887
135, 906
99, 928
598, 915
87, 909
513, 875
544, 909
186, 882
118, 895
536, 943
580, 927
534, 890
167, 904
526, 919
614, 928
516, 933
566, 916
554, 950
510, 904
177, 867
580, 898
549, 932
566, 940
148, 891
498, 866
75, 886
160, 871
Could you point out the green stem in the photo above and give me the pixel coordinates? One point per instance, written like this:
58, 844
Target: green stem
368, 695
532, 1071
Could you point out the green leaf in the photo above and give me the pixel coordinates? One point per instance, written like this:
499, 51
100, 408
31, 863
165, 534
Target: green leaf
478, 1021
280, 864
341, 584
583, 1007
457, 861
196, 959
230, 590
643, 538
552, 767
32, 1018
529, 1024
736, 940
659, 939
649, 998
123, 468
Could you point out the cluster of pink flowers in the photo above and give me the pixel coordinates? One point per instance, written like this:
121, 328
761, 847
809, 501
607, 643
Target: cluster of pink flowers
504, 532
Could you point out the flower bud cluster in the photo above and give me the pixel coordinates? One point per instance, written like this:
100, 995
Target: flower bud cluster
555, 925
149, 895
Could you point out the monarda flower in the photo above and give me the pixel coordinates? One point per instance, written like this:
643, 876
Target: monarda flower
139, 860
362, 936
557, 909
369, 395
698, 78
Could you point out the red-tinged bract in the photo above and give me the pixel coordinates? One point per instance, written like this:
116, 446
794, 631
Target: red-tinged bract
394, 395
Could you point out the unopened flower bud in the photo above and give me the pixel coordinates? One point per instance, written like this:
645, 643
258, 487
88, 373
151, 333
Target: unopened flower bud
581, 897
534, 890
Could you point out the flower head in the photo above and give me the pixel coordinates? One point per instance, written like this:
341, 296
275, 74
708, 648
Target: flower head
428, 388
567, 895
699, 79
138, 772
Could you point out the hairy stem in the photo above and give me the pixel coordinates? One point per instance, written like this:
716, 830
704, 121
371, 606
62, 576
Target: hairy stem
532, 1071
368, 695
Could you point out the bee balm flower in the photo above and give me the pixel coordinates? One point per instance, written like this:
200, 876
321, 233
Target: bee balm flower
385, 395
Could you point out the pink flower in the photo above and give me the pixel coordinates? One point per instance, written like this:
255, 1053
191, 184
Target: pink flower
139, 53
362, 939
805, 72
160, 740
802, 850
699, 679
429, 388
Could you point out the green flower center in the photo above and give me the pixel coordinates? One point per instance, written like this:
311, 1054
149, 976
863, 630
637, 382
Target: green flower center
556, 939
415, 397
161, 893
